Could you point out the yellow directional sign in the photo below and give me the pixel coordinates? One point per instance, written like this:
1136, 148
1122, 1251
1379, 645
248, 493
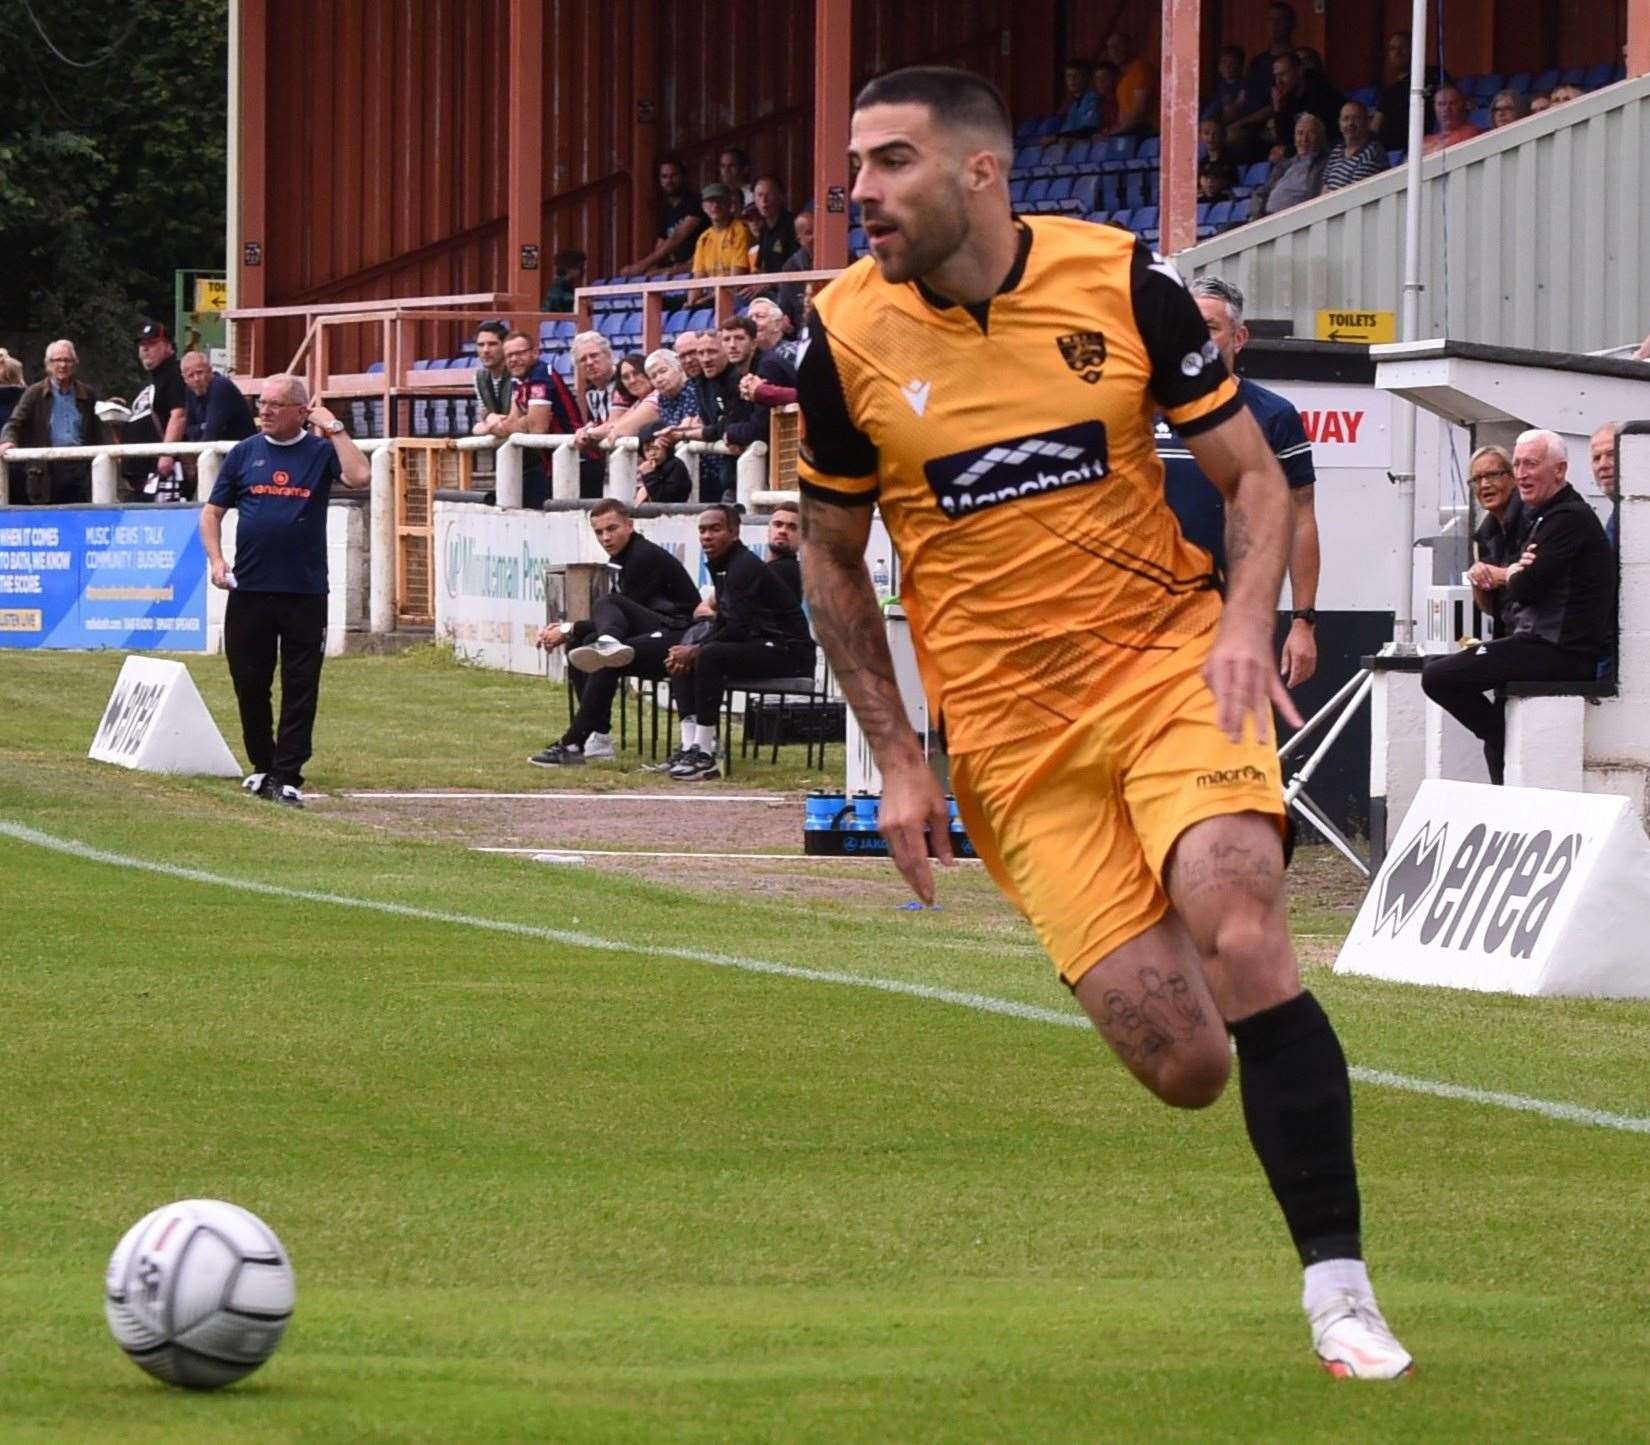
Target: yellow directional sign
211, 294
1363, 326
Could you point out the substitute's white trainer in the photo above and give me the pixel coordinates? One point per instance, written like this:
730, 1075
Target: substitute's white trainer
1354, 1341
599, 745
605, 651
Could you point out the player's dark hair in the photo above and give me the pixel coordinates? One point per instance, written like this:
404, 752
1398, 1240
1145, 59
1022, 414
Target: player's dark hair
500, 329
610, 504
730, 514
793, 507
956, 98
739, 323
739, 153
569, 260
670, 158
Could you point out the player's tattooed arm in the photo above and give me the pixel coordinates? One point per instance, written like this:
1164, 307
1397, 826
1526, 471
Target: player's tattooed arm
843, 607
1259, 526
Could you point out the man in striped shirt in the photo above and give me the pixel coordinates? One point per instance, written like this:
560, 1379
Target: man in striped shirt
1358, 154
1200, 507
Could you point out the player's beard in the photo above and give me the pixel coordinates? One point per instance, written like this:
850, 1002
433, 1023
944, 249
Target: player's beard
932, 236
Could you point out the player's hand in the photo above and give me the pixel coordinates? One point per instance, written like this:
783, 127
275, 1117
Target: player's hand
552, 637
914, 814
1485, 575
220, 574
1240, 674
680, 658
1300, 653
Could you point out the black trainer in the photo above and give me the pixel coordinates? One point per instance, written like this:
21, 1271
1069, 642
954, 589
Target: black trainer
558, 755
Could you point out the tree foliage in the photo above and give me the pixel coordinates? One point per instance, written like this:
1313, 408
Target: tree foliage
113, 119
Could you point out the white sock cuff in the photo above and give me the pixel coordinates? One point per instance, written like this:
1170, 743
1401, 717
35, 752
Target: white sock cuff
1332, 1277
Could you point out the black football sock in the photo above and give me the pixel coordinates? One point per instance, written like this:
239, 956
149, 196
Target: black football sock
1297, 1104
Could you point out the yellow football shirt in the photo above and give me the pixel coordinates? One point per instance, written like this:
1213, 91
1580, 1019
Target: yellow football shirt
724, 252
1010, 447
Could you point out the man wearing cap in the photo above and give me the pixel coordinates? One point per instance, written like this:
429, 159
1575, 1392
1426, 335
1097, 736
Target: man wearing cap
57, 411
725, 247
159, 414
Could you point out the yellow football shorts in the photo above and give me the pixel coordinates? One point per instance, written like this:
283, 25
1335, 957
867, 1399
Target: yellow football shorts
1076, 825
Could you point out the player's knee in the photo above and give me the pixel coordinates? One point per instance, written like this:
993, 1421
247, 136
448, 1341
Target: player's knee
1193, 1078
1247, 936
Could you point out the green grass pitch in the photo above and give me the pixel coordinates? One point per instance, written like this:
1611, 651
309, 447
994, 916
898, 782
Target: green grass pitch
536, 1191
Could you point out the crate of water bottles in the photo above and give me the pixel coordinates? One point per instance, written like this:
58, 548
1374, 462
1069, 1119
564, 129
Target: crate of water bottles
836, 825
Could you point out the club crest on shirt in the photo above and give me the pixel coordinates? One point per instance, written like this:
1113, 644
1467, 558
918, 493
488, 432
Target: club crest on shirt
1085, 353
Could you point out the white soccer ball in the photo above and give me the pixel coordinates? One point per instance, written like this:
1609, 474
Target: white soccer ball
199, 1292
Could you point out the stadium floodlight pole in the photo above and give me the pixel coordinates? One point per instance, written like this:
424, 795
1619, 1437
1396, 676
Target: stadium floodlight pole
1403, 629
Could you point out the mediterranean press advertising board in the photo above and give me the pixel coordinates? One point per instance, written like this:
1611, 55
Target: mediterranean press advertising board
1511, 890
96, 577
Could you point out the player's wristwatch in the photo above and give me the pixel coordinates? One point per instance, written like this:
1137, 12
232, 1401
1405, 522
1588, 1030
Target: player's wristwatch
333, 427
1308, 615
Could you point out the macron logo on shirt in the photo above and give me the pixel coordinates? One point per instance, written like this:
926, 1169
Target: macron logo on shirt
916, 394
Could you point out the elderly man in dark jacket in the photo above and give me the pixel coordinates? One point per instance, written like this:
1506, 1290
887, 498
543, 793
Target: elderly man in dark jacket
1558, 602
57, 411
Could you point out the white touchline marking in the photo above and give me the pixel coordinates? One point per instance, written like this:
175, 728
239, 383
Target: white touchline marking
673, 853
981, 1003
577, 797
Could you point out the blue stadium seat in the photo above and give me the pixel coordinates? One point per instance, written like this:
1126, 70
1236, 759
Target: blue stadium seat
1220, 214
1394, 159
1253, 175
547, 331
700, 319
1466, 84
1134, 189
1026, 157
1118, 152
1241, 210
1145, 224
1147, 154
1025, 132
675, 323
1076, 158
1017, 191
1575, 75
1124, 219
1059, 195
1035, 193
421, 365
566, 330
856, 238
1048, 126
1519, 82
1098, 218
1482, 118
1368, 94
562, 365
1086, 192
1486, 86
1601, 74
1053, 153
610, 323
1545, 81
1111, 191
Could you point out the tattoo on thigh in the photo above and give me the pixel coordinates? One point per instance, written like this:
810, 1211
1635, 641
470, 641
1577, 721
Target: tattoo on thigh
1226, 864
1165, 1010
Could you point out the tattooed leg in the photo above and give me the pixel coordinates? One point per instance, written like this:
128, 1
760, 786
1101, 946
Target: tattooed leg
1149, 1001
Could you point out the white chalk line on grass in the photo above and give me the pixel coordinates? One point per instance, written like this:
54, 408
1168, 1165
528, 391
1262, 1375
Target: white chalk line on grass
981, 1003
456, 797
677, 853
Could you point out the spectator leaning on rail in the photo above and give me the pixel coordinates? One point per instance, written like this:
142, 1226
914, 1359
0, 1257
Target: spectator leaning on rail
216, 410
678, 220
1508, 106
758, 632
57, 411
1601, 450
717, 390
1298, 177
493, 380
1358, 154
1200, 508
11, 384
540, 404
159, 414
671, 403
661, 476
1558, 605
628, 633
1499, 537
279, 484
601, 397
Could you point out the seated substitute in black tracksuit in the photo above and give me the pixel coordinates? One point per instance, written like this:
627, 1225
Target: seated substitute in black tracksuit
759, 631
1557, 619
649, 607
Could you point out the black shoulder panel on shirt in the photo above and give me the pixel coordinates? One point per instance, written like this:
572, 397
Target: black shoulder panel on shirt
832, 443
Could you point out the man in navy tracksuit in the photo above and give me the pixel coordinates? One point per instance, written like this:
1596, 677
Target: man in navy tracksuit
279, 483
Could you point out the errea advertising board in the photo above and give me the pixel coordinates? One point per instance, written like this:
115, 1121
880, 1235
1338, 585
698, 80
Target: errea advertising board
1511, 890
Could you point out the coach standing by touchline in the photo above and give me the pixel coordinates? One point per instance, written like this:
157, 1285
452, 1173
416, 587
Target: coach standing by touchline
280, 482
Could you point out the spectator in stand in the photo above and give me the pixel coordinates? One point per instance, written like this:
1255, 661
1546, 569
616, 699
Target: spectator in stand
733, 170
633, 377
1601, 450
661, 476
671, 403
540, 404
569, 268
758, 632
1225, 103
1136, 87
11, 384
1562, 93
493, 380
784, 544
1311, 61
1298, 177
1215, 180
724, 249
776, 226
680, 219
687, 350
1297, 92
1392, 118
771, 324
628, 633
1104, 82
216, 409
1449, 106
1255, 109
57, 411
1499, 537
600, 398
1080, 111
747, 418
1558, 608
718, 392
1508, 106
158, 415
801, 259
1358, 154
1540, 101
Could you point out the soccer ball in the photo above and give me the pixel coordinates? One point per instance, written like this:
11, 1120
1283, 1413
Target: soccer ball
199, 1292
